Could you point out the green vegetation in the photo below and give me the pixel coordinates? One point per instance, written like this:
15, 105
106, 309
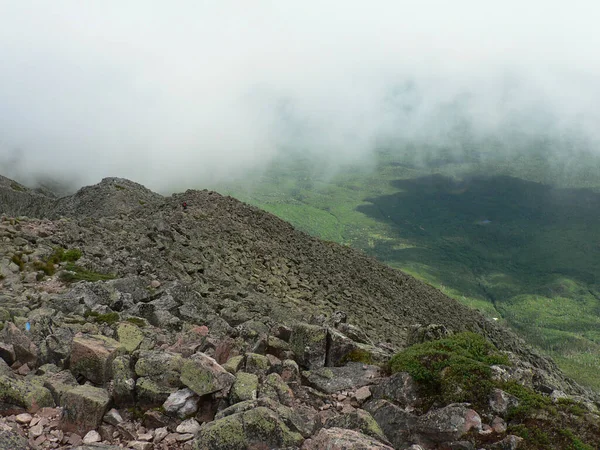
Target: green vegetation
16, 258
457, 369
75, 273
137, 321
513, 235
59, 255
358, 355
109, 318
119, 187
17, 187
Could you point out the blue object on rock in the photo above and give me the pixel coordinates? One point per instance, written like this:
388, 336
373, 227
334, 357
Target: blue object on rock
27, 326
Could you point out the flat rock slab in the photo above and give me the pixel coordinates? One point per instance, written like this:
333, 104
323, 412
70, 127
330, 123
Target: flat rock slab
342, 439
334, 379
203, 375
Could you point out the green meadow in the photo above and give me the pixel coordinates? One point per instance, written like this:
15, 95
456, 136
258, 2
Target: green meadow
515, 236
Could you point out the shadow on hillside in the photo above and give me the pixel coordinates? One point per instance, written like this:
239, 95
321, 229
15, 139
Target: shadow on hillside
489, 225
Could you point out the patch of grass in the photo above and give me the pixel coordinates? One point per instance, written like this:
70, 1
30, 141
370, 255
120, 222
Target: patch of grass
109, 318
76, 273
358, 355
456, 368
59, 255
119, 187
17, 187
16, 258
142, 202
136, 321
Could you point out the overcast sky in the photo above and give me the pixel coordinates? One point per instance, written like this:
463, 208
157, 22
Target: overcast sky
195, 91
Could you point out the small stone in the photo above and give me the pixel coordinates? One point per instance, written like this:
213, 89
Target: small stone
145, 437
23, 418
34, 421
139, 445
184, 437
113, 417
362, 394
36, 431
91, 437
155, 284
160, 434
189, 426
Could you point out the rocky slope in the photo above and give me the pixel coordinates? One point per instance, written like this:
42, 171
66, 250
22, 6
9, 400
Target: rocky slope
220, 326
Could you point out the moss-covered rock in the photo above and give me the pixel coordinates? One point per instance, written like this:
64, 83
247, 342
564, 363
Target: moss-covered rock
161, 366
130, 336
257, 364
123, 381
234, 364
31, 395
151, 394
258, 426
309, 343
244, 388
357, 420
276, 389
203, 375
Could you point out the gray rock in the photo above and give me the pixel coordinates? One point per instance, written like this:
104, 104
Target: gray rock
203, 375
92, 357
244, 388
501, 401
182, 403
334, 379
357, 420
400, 388
309, 343
189, 426
12, 439
25, 350
396, 423
446, 424
84, 407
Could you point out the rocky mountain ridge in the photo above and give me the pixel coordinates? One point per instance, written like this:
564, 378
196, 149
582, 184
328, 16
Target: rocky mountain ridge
222, 315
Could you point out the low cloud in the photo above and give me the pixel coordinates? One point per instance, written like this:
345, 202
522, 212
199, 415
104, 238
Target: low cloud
192, 93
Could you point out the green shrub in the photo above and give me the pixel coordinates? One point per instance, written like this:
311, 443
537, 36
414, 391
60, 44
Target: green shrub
109, 318
16, 258
136, 321
77, 273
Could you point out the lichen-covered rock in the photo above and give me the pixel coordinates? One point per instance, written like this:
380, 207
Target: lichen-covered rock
309, 344
395, 423
342, 439
290, 372
275, 388
150, 393
203, 375
92, 357
446, 424
123, 385
510, 442
357, 420
257, 364
244, 388
334, 379
130, 336
30, 394
278, 347
234, 364
84, 407
11, 440
161, 367
255, 427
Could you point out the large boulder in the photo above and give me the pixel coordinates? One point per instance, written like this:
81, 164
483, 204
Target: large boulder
446, 424
244, 388
249, 429
83, 406
92, 357
11, 439
309, 343
357, 420
162, 367
342, 439
31, 394
400, 388
396, 423
203, 375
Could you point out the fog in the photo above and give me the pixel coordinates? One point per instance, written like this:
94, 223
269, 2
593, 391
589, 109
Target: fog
196, 92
